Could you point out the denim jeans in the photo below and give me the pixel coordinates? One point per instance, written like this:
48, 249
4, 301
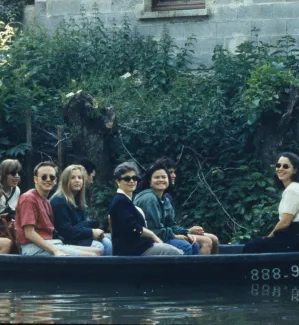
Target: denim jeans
186, 247
105, 245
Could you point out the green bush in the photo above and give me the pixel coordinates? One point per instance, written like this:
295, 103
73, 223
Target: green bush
11, 10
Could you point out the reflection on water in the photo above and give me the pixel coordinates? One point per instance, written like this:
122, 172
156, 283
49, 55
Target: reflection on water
56, 304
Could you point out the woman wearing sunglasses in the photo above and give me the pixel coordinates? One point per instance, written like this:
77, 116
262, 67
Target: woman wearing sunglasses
71, 222
129, 233
9, 194
285, 235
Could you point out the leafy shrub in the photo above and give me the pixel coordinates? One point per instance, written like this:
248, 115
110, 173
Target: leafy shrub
11, 10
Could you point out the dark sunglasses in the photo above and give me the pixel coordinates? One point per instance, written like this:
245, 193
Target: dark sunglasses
14, 172
129, 178
284, 166
45, 177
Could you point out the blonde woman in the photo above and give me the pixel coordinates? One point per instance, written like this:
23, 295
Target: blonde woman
10, 170
69, 208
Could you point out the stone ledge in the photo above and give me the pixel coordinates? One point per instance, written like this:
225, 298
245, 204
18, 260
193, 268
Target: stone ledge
142, 14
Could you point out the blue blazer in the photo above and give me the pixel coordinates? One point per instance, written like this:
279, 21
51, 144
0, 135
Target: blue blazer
71, 223
127, 223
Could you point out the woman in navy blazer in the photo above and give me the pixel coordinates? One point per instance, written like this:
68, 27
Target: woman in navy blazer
129, 233
69, 208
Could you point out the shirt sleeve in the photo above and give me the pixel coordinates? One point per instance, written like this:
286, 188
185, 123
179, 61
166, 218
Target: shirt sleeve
290, 202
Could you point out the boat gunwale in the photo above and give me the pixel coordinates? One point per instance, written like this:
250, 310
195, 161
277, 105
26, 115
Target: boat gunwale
135, 260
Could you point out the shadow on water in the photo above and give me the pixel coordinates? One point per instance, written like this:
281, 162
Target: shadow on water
52, 302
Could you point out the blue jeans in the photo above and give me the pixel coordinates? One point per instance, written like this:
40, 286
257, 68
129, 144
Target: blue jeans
186, 247
104, 245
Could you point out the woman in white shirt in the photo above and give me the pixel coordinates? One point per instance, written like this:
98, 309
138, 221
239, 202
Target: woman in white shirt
285, 235
9, 194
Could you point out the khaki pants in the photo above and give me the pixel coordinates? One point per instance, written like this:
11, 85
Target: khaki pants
162, 249
33, 250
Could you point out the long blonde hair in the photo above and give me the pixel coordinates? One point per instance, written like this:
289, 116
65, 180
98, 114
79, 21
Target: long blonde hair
64, 187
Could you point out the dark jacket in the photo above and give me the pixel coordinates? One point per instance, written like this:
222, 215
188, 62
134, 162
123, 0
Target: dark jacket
159, 214
71, 223
127, 223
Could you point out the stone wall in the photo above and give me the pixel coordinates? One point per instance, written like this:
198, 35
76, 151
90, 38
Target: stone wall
224, 22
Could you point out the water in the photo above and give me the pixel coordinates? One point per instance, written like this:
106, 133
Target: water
55, 303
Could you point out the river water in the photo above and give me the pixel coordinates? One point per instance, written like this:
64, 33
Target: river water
56, 303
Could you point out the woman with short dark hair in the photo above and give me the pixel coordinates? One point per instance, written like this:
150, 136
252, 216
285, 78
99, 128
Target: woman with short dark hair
159, 211
208, 242
129, 233
285, 235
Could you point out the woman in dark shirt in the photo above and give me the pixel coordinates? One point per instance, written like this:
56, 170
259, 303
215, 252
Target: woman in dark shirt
68, 204
129, 233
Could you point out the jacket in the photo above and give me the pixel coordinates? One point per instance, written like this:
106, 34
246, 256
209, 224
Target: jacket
71, 223
127, 226
159, 214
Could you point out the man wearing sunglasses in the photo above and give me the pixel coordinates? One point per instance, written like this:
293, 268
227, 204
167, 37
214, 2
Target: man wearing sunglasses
34, 218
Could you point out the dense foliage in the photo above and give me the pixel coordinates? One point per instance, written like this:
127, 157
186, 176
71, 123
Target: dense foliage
210, 120
12, 10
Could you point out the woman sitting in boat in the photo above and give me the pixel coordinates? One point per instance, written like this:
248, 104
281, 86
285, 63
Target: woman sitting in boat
129, 233
285, 235
68, 204
208, 242
159, 211
9, 194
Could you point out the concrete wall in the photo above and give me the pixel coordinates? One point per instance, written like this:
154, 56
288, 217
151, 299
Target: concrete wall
224, 22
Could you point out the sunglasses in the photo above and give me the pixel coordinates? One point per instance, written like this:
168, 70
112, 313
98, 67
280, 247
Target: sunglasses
45, 177
284, 166
129, 178
14, 172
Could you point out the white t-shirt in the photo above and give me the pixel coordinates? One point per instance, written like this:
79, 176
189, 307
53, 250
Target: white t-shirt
12, 201
290, 201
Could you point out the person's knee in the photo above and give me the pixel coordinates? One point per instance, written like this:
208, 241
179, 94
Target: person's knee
6, 245
206, 242
98, 252
215, 240
205, 245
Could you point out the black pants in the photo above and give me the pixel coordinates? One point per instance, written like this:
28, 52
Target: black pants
284, 240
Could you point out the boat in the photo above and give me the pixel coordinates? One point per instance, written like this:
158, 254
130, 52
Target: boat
230, 266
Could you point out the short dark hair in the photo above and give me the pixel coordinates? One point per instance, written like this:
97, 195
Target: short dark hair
124, 168
294, 159
86, 163
168, 162
147, 176
44, 164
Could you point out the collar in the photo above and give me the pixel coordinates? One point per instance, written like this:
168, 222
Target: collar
122, 192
